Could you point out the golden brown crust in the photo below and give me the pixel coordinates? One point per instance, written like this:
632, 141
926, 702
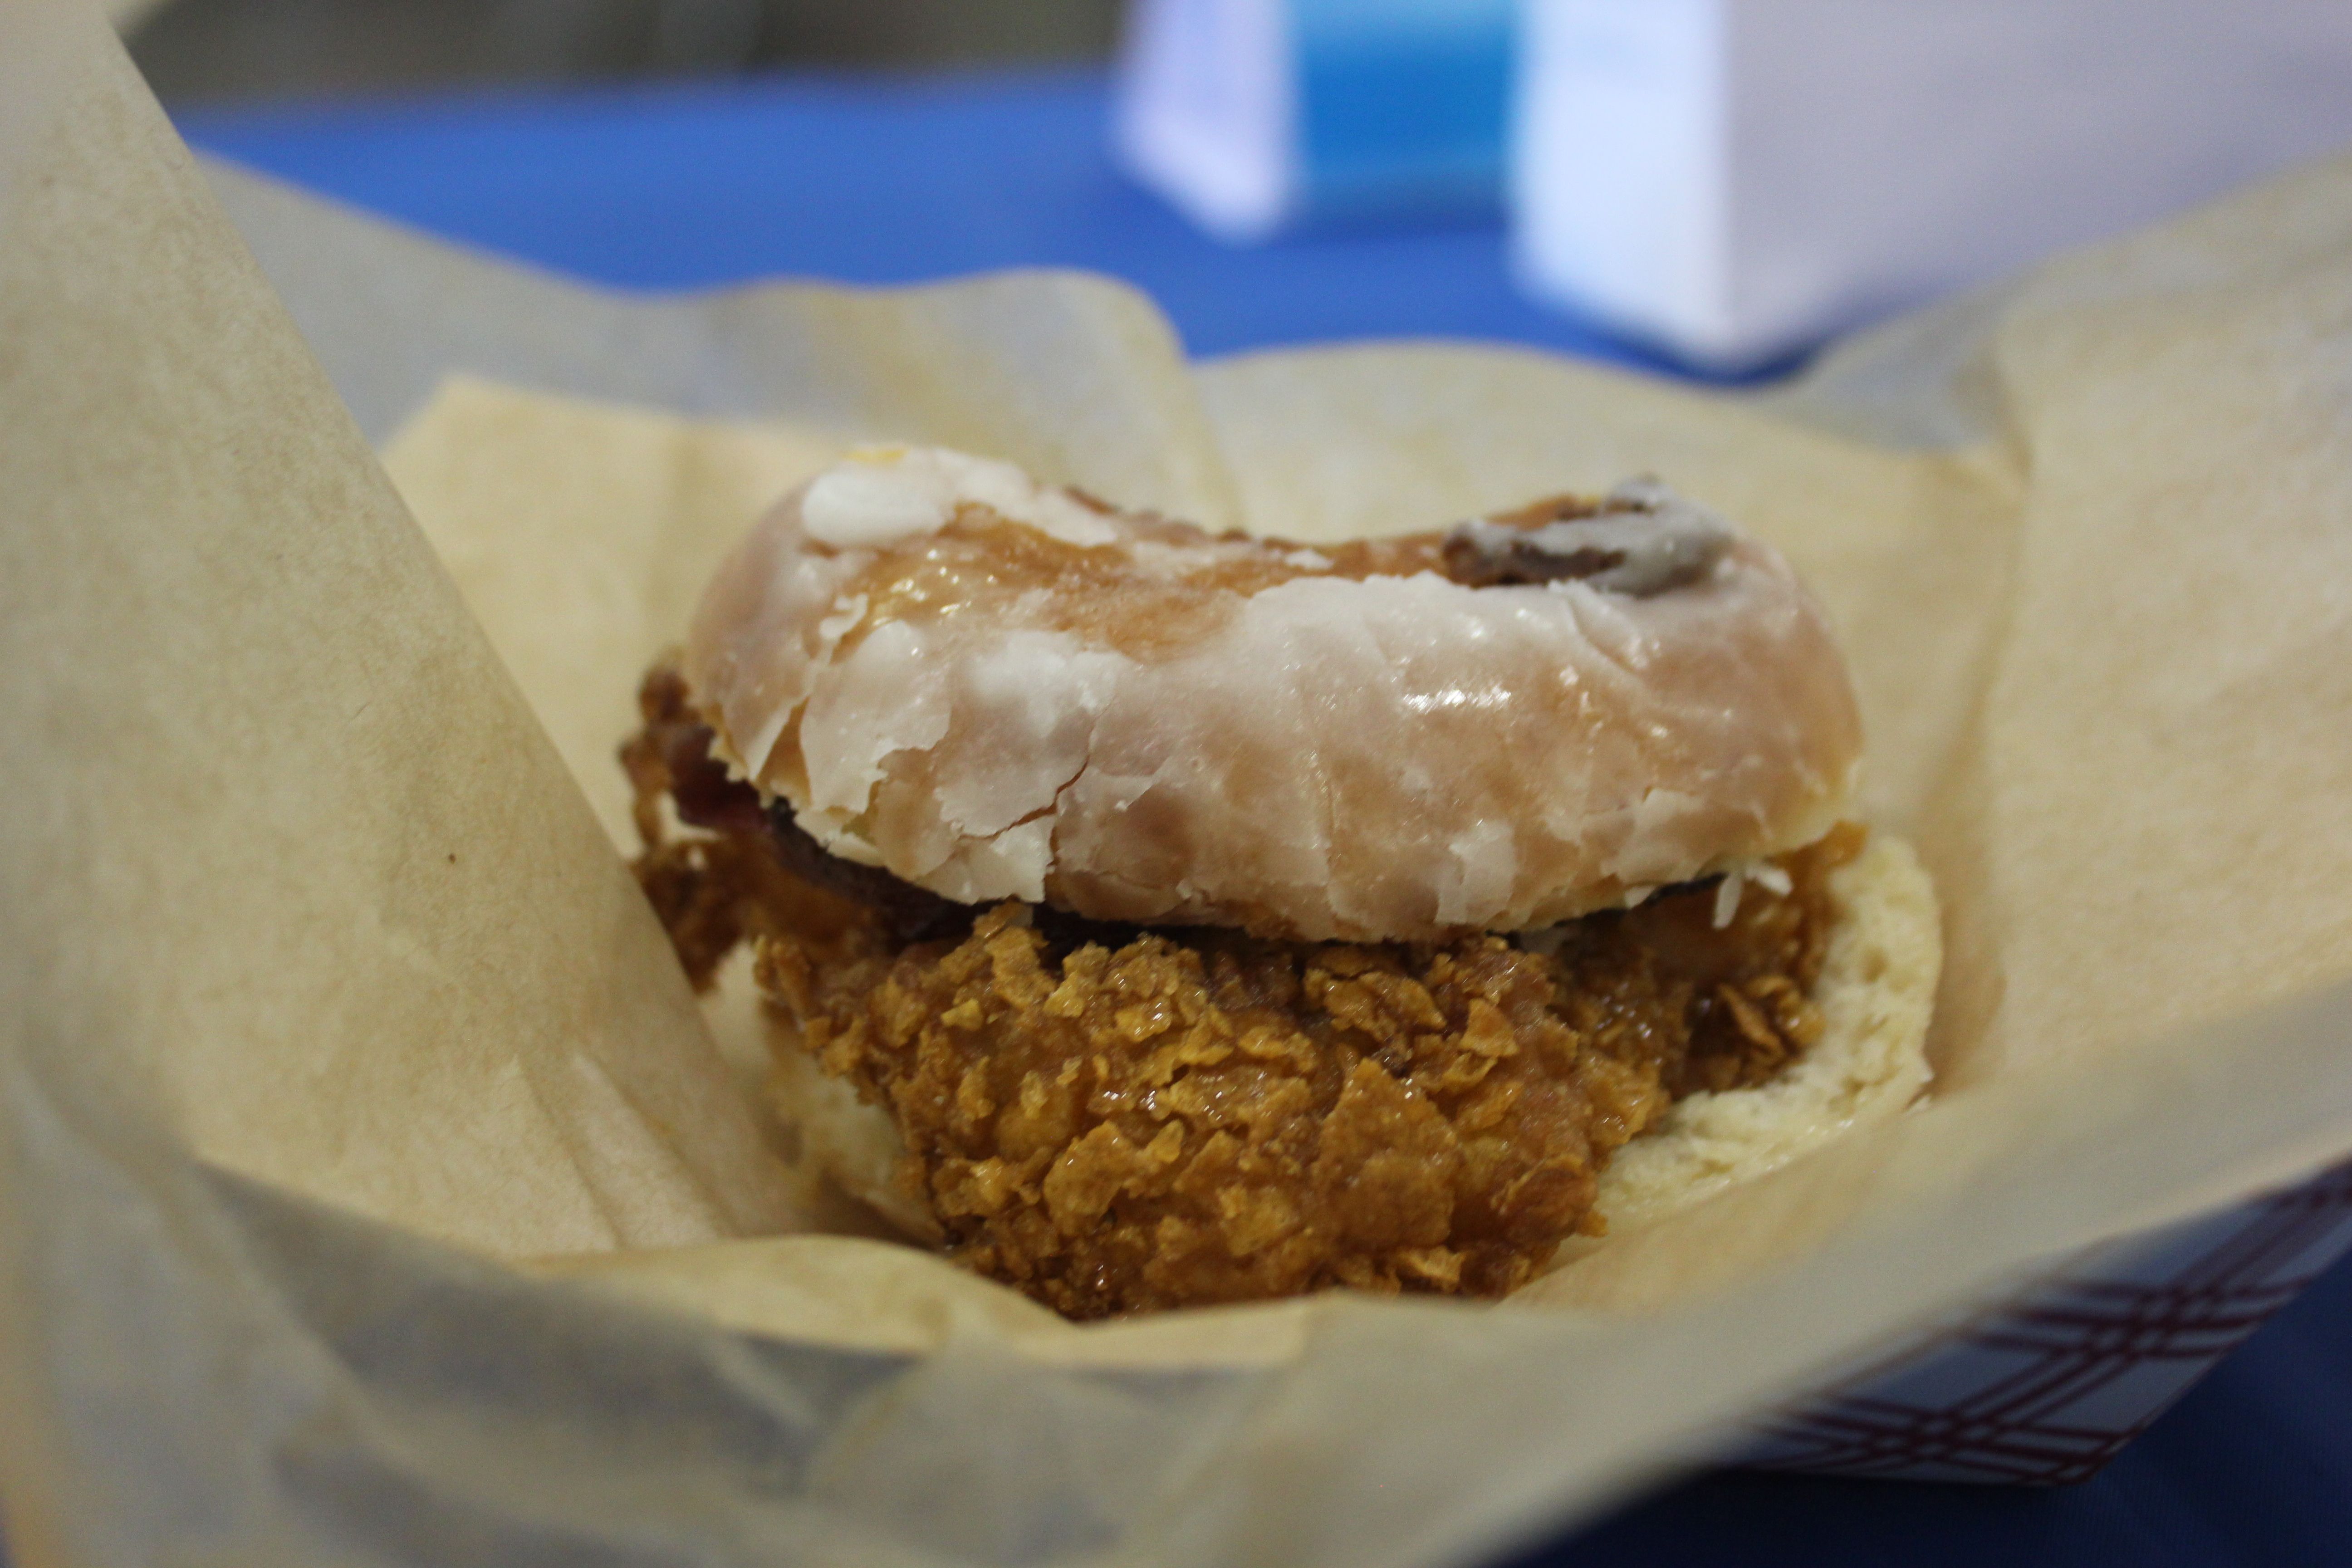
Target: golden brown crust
1196, 1117
1190, 1117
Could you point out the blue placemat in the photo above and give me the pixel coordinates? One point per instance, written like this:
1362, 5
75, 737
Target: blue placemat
2253, 1467
887, 181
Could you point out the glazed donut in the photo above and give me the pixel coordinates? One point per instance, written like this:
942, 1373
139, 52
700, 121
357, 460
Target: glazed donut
995, 688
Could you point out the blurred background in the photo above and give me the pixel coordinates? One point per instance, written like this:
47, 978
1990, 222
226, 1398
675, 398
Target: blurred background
225, 51
1711, 187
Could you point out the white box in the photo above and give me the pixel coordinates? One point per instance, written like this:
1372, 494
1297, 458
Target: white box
1252, 117
1735, 179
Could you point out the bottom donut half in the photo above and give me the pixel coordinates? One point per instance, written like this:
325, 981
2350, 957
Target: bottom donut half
1115, 1119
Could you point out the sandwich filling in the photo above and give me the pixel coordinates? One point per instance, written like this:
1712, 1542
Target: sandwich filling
1113, 1118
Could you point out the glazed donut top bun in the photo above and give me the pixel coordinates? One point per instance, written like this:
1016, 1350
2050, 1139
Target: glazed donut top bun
997, 688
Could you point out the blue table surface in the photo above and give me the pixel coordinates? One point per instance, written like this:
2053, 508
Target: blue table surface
893, 180
868, 181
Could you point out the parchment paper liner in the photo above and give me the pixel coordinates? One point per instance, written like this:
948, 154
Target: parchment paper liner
282, 1078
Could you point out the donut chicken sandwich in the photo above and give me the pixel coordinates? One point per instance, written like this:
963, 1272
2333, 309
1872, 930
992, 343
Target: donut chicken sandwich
1149, 917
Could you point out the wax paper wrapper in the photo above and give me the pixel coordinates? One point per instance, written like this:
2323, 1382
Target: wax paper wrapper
375, 1191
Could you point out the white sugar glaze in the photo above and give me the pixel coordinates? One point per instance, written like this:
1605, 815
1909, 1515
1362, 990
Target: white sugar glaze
1263, 741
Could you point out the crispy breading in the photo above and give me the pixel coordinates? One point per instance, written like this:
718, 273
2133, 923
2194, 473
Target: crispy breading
1113, 1119
1197, 1116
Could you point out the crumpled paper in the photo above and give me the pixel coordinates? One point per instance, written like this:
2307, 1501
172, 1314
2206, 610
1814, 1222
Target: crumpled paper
375, 1193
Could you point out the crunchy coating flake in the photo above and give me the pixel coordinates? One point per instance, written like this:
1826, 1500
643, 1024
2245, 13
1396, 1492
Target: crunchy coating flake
1182, 1118
1113, 1119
